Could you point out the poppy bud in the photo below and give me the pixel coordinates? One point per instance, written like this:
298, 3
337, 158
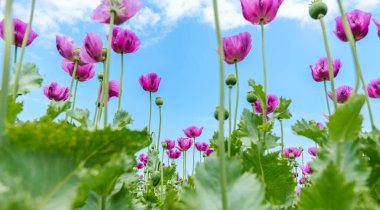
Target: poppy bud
159, 101
317, 9
216, 114
251, 98
100, 76
231, 80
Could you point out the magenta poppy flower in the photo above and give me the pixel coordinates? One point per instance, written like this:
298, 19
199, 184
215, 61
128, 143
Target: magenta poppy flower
321, 125
237, 47
292, 152
140, 165
56, 92
320, 71
67, 48
184, 144
373, 88
143, 158
312, 151
173, 154
295, 174
193, 131
272, 103
306, 169
113, 89
377, 23
359, 23
140, 176
201, 146
124, 41
209, 151
170, 144
92, 49
150, 82
342, 93
84, 72
303, 180
124, 10
260, 11
19, 30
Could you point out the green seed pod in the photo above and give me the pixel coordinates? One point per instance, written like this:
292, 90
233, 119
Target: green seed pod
317, 9
156, 177
251, 98
216, 114
100, 76
159, 101
231, 80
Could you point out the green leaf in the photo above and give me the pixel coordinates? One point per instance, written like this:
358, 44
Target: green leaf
55, 109
121, 119
29, 79
207, 194
330, 191
43, 161
276, 174
80, 115
14, 108
310, 130
282, 111
346, 123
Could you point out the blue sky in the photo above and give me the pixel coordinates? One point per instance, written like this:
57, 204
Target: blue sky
179, 42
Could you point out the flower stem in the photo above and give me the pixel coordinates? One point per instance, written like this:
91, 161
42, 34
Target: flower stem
264, 105
72, 83
331, 73
121, 82
183, 165
162, 175
229, 120
150, 111
237, 94
75, 95
192, 173
97, 101
159, 129
24, 42
8, 37
15, 55
282, 137
107, 73
327, 97
221, 150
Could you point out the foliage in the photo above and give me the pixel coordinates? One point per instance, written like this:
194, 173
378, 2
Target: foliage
29, 79
310, 130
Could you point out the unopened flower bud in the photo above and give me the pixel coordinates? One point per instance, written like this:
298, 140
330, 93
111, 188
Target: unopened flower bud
291, 156
159, 101
231, 80
251, 98
216, 114
104, 52
100, 76
317, 9
164, 145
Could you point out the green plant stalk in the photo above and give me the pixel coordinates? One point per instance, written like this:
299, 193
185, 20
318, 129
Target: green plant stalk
72, 83
282, 137
229, 120
162, 176
103, 202
8, 37
121, 82
75, 95
15, 55
183, 165
331, 73
200, 156
24, 41
97, 101
221, 149
237, 94
150, 111
192, 173
107, 73
99, 116
159, 128
265, 74
327, 97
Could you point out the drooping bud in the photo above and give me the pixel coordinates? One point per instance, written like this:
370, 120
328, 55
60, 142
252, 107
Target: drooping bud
317, 9
216, 114
251, 98
156, 177
159, 101
231, 80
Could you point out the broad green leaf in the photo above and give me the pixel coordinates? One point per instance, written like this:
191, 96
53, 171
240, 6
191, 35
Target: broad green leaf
29, 79
55, 109
13, 109
330, 191
276, 175
42, 161
346, 123
80, 115
207, 193
121, 119
282, 111
310, 130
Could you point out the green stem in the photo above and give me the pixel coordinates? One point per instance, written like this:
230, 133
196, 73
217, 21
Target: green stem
75, 95
15, 55
72, 83
282, 137
24, 42
162, 176
107, 73
351, 39
99, 116
221, 149
331, 72
327, 97
97, 101
229, 120
159, 129
150, 111
200, 156
192, 173
95, 113
183, 165
237, 94
264, 105
8, 37
121, 82
103, 202
367, 101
